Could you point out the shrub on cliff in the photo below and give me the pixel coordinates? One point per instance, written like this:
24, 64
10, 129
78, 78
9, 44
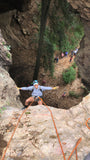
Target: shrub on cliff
69, 75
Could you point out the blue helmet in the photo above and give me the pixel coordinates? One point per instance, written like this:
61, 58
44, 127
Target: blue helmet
35, 82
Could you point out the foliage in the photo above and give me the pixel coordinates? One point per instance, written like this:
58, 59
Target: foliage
74, 65
86, 91
63, 32
2, 109
48, 51
69, 75
67, 30
8, 55
48, 55
27, 113
79, 75
73, 94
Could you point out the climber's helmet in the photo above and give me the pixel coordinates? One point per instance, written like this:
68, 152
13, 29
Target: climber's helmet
35, 82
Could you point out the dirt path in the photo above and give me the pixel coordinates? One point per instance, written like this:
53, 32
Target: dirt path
62, 64
75, 86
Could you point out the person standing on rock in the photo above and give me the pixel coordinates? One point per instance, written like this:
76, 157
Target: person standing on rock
36, 92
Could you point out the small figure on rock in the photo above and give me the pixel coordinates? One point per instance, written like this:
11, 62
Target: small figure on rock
56, 59
62, 54
75, 51
66, 53
71, 57
64, 94
37, 92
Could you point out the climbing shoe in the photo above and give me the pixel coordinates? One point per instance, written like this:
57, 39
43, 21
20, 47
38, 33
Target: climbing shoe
24, 107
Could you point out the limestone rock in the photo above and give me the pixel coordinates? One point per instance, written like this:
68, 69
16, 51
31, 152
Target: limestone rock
83, 6
9, 94
35, 137
5, 55
83, 57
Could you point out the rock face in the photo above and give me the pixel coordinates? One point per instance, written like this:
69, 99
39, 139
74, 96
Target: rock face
83, 58
13, 4
35, 137
83, 6
9, 94
5, 55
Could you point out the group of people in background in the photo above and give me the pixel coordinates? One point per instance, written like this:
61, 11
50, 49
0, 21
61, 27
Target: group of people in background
64, 54
73, 53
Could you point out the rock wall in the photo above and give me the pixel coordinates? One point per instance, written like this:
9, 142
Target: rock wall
35, 137
6, 5
82, 6
83, 58
9, 94
5, 55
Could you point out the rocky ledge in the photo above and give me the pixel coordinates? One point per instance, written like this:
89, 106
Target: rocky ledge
35, 137
82, 6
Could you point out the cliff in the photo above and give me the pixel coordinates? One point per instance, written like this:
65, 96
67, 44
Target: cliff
82, 6
35, 137
83, 59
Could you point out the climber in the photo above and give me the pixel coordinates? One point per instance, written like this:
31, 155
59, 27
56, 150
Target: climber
36, 92
75, 51
66, 53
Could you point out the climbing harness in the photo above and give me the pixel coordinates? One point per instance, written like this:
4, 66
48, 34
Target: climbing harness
75, 148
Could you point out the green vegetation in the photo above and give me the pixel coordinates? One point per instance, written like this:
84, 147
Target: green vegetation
74, 65
27, 113
8, 55
67, 29
79, 75
2, 109
73, 94
69, 75
63, 32
86, 91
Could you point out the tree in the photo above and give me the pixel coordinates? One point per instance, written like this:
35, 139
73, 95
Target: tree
45, 4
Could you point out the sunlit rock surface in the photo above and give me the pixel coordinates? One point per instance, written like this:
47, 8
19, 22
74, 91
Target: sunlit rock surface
35, 137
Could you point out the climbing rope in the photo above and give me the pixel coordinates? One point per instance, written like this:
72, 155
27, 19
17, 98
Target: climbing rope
87, 123
54, 127
14, 132
76, 154
79, 140
75, 148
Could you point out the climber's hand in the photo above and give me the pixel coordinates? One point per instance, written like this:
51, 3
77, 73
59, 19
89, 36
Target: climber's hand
18, 88
56, 87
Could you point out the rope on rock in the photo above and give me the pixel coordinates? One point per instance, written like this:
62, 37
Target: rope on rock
14, 132
54, 127
87, 123
75, 148
77, 143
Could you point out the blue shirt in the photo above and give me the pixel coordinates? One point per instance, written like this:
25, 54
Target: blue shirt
38, 91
